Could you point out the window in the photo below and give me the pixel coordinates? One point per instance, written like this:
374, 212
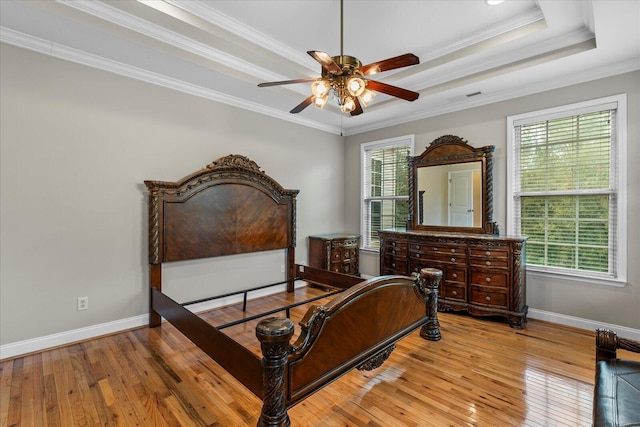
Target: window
567, 188
385, 187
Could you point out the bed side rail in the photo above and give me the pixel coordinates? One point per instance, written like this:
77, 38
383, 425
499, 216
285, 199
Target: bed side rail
326, 277
237, 360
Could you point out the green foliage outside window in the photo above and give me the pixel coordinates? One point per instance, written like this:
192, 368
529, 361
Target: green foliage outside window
388, 190
565, 195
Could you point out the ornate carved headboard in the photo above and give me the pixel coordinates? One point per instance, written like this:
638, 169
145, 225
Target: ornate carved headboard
229, 207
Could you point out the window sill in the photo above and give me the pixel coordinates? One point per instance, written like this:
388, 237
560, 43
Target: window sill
370, 250
605, 281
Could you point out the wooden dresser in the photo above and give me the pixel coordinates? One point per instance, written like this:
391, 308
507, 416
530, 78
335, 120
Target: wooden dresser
483, 274
336, 252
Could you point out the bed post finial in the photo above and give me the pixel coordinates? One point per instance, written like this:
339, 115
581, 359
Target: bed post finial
429, 278
274, 334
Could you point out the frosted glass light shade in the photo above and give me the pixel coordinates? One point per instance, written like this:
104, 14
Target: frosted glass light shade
320, 87
355, 86
366, 97
349, 105
320, 101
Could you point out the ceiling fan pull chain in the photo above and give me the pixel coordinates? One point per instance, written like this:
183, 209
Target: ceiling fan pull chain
341, 31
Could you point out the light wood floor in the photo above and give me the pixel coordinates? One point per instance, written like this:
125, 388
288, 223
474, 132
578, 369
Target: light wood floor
482, 373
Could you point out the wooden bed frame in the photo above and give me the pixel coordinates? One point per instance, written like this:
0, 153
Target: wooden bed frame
232, 207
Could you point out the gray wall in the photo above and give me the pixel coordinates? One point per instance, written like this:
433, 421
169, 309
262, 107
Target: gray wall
487, 125
77, 144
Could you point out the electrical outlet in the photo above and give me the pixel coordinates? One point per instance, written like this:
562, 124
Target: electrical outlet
83, 303
281, 268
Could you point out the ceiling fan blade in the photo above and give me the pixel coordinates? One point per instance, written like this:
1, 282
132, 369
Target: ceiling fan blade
286, 82
390, 64
304, 104
326, 61
398, 92
358, 110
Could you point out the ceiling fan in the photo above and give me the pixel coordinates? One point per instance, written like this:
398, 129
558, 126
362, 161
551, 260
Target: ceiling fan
345, 79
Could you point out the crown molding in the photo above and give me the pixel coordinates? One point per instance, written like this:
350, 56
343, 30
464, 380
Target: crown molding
214, 17
156, 32
80, 57
486, 99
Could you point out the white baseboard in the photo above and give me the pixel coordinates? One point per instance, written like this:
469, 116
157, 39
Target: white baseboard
55, 340
577, 322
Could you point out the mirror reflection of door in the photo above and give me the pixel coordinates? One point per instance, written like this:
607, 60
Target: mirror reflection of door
461, 198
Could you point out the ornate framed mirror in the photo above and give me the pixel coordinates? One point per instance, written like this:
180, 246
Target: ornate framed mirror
451, 187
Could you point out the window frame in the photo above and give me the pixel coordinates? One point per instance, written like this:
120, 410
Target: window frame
619, 185
364, 148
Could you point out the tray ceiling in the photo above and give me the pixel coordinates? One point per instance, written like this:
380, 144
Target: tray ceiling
470, 53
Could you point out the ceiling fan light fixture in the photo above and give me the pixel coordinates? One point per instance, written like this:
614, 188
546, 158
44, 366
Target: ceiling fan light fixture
348, 104
345, 80
366, 97
320, 101
356, 86
320, 88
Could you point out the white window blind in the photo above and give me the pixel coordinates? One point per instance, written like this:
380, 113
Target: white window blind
385, 187
565, 189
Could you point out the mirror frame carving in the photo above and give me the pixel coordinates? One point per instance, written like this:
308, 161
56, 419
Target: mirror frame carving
448, 150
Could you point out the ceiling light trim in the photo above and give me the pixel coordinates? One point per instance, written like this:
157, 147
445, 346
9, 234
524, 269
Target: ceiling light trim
514, 24
146, 28
211, 15
579, 37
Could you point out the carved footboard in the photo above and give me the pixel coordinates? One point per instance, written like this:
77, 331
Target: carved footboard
358, 329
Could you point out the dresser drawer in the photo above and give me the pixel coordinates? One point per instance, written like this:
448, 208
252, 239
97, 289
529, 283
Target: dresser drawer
438, 248
344, 267
483, 252
343, 254
489, 278
454, 292
393, 265
454, 274
489, 262
488, 297
346, 243
400, 250
399, 244
454, 258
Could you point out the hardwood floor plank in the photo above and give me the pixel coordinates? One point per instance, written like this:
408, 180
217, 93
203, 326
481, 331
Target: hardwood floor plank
482, 373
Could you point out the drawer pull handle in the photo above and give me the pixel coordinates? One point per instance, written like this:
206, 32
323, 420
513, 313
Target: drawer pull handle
454, 293
393, 264
336, 256
453, 260
488, 298
417, 255
488, 253
488, 279
393, 243
454, 275
488, 262
453, 251
418, 247
393, 252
